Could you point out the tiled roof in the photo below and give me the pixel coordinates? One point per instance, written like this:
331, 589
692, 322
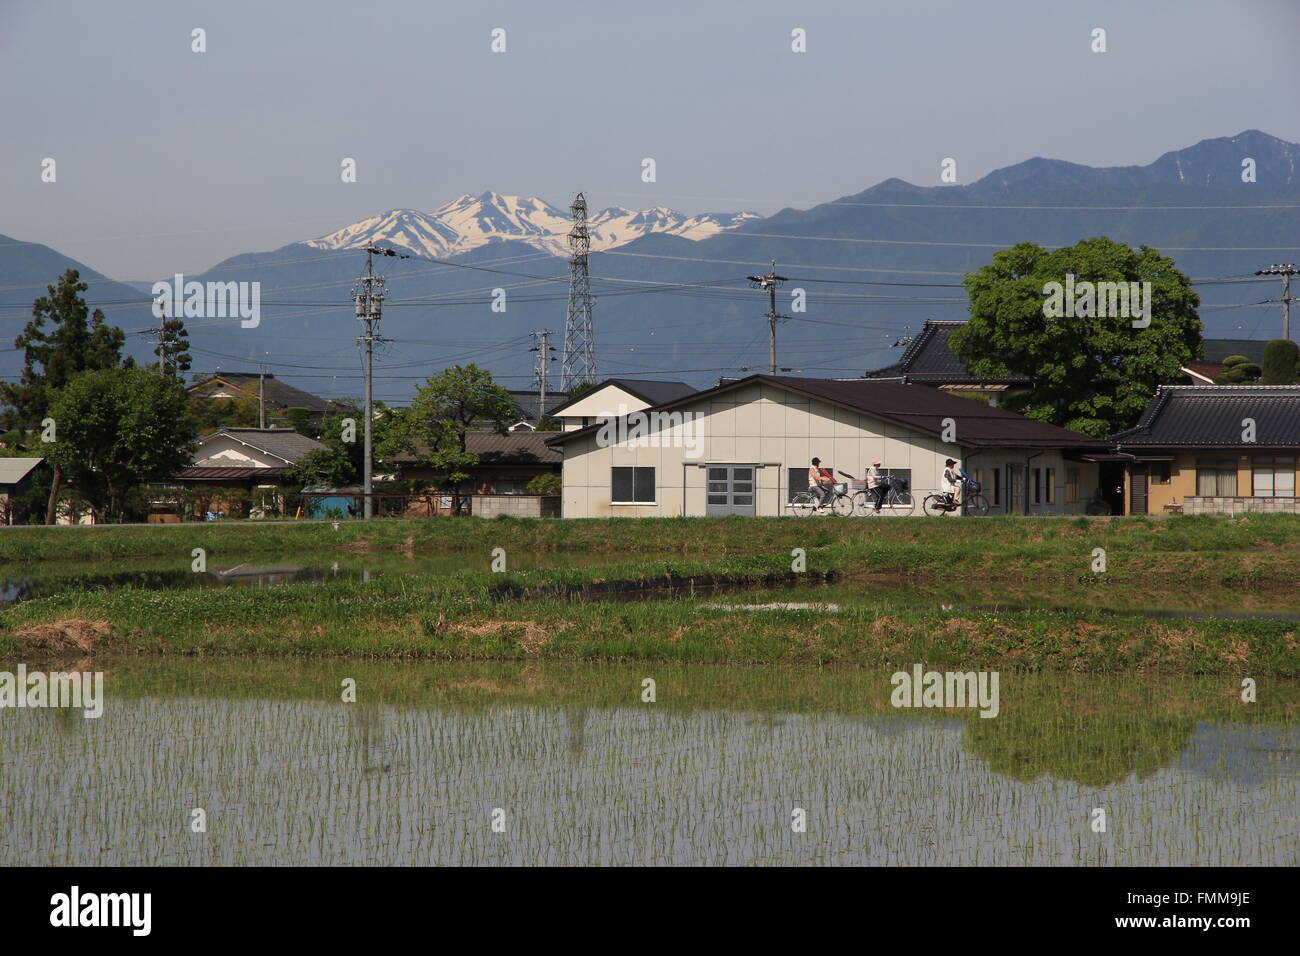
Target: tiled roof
278, 394
1212, 415
14, 470
918, 408
283, 443
527, 402
648, 390
929, 358
213, 473
515, 448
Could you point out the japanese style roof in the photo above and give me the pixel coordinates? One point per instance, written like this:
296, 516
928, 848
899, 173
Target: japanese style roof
931, 360
529, 403
648, 390
278, 393
204, 473
14, 470
283, 443
1208, 416
515, 448
918, 408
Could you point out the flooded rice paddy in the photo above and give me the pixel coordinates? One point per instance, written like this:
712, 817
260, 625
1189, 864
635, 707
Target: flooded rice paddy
575, 767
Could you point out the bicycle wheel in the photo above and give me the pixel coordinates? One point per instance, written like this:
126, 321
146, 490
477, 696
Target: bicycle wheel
842, 506
899, 504
977, 506
804, 503
936, 506
862, 502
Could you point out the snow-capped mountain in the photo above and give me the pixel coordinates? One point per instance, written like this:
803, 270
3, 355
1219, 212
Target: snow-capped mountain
468, 222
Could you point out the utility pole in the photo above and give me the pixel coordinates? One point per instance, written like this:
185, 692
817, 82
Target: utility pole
261, 396
769, 283
161, 342
543, 351
1286, 270
578, 362
369, 297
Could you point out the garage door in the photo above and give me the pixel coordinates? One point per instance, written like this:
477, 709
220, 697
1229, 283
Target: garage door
730, 490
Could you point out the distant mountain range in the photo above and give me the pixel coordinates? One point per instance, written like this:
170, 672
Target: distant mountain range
468, 222
672, 298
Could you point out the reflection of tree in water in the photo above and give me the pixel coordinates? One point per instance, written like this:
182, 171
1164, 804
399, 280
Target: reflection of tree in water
575, 718
1094, 736
366, 734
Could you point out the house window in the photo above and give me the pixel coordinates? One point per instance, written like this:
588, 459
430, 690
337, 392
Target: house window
1272, 477
1072, 484
632, 486
1038, 486
1159, 471
1049, 484
997, 486
1216, 478
798, 480
511, 486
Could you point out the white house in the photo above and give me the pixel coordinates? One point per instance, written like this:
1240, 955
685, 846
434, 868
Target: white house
617, 396
744, 447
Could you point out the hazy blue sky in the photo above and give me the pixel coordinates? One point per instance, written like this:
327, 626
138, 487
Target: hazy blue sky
170, 160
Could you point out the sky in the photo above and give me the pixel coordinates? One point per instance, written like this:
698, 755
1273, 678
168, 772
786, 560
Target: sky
170, 160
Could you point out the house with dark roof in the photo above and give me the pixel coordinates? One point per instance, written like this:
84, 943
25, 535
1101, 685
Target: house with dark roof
530, 407
275, 394
744, 447
617, 396
1214, 448
930, 360
243, 460
506, 463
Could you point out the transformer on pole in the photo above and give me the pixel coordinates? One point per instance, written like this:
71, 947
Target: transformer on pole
578, 362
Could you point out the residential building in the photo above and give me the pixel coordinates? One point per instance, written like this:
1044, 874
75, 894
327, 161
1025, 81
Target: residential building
1214, 448
275, 395
243, 459
506, 463
15, 476
744, 447
617, 396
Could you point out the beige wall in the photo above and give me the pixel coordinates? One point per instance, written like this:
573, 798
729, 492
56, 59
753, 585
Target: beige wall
1182, 476
224, 450
598, 404
778, 430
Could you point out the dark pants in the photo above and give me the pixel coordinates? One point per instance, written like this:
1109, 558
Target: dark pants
880, 491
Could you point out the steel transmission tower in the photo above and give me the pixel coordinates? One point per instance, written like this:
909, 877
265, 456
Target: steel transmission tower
578, 363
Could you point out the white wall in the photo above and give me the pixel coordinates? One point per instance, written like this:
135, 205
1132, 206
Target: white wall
222, 450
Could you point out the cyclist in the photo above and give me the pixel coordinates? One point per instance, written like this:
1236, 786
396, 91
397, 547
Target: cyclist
877, 484
951, 481
821, 481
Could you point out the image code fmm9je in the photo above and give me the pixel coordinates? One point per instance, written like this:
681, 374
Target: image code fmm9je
499, 436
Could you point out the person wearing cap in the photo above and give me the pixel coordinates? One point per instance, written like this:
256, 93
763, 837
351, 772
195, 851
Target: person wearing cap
951, 480
877, 484
821, 481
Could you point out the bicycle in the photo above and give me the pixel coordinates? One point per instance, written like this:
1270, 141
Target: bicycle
897, 501
972, 503
807, 503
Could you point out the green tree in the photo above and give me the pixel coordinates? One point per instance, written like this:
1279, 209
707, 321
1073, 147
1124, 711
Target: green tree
211, 414
547, 484
446, 408
1090, 373
1279, 363
173, 347
117, 428
299, 419
1238, 370
75, 341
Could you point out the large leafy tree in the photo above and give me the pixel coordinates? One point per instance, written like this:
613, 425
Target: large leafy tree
62, 340
117, 428
1092, 374
342, 433
446, 408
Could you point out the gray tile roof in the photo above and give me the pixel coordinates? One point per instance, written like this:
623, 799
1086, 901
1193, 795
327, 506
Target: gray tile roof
278, 393
283, 443
515, 448
1210, 416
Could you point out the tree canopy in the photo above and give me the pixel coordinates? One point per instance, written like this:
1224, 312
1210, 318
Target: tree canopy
1088, 372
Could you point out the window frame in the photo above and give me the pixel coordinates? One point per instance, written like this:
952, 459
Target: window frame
654, 485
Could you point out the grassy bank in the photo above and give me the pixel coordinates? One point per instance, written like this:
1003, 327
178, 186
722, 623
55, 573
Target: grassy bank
461, 619
1258, 547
